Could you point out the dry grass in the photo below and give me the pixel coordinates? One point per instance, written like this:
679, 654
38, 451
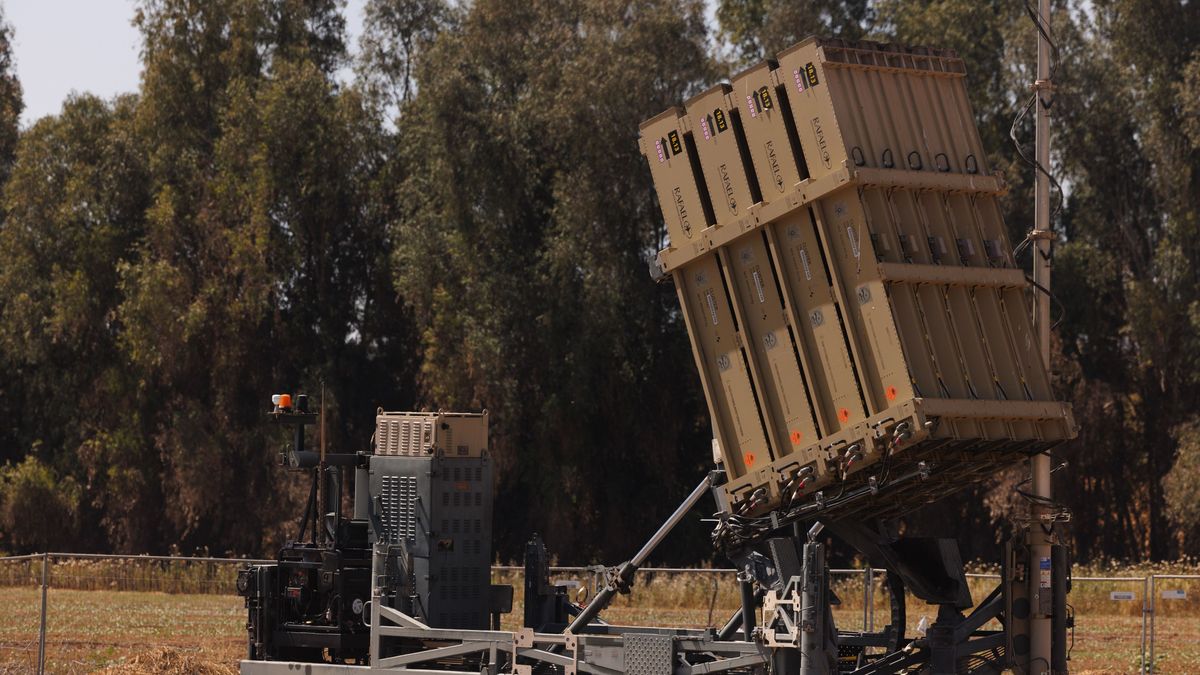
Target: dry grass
165, 661
124, 632
178, 575
139, 632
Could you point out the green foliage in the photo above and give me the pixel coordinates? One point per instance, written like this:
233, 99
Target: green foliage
527, 220
11, 104
172, 259
261, 269
1182, 487
39, 509
1129, 271
395, 35
759, 29
73, 209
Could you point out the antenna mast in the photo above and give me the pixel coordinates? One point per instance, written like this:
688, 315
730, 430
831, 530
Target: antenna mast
1041, 529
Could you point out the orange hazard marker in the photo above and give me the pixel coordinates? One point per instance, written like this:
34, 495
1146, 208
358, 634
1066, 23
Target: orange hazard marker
796, 436
891, 393
749, 457
844, 415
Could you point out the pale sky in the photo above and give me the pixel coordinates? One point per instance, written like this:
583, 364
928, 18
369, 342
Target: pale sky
63, 46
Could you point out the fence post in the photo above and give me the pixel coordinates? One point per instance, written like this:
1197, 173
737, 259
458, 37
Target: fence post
41, 667
864, 623
1145, 611
1153, 603
870, 616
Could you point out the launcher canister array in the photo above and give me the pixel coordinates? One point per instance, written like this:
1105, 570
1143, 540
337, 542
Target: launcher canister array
853, 304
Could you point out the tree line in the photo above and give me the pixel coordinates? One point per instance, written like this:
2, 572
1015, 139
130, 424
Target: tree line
452, 213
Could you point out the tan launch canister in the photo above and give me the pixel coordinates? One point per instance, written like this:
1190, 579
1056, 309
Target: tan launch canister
847, 283
671, 165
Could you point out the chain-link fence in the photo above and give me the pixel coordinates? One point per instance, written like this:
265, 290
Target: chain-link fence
186, 609
177, 607
1174, 618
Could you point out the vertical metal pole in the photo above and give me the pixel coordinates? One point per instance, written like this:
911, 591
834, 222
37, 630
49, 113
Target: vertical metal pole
1145, 612
1041, 235
870, 598
322, 485
748, 606
41, 665
1153, 602
813, 658
1040, 533
866, 595
378, 570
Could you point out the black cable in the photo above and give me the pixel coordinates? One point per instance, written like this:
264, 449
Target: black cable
1062, 464
742, 529
886, 471
1045, 30
1057, 507
1044, 33
1021, 247
1062, 309
308, 508
845, 477
1012, 134
1035, 498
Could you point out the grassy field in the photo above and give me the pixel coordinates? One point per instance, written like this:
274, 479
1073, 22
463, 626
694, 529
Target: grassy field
120, 631
88, 631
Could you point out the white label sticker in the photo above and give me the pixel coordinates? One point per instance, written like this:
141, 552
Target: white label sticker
704, 128
799, 80
712, 306
759, 287
804, 262
1175, 594
662, 156
1121, 595
751, 106
853, 240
